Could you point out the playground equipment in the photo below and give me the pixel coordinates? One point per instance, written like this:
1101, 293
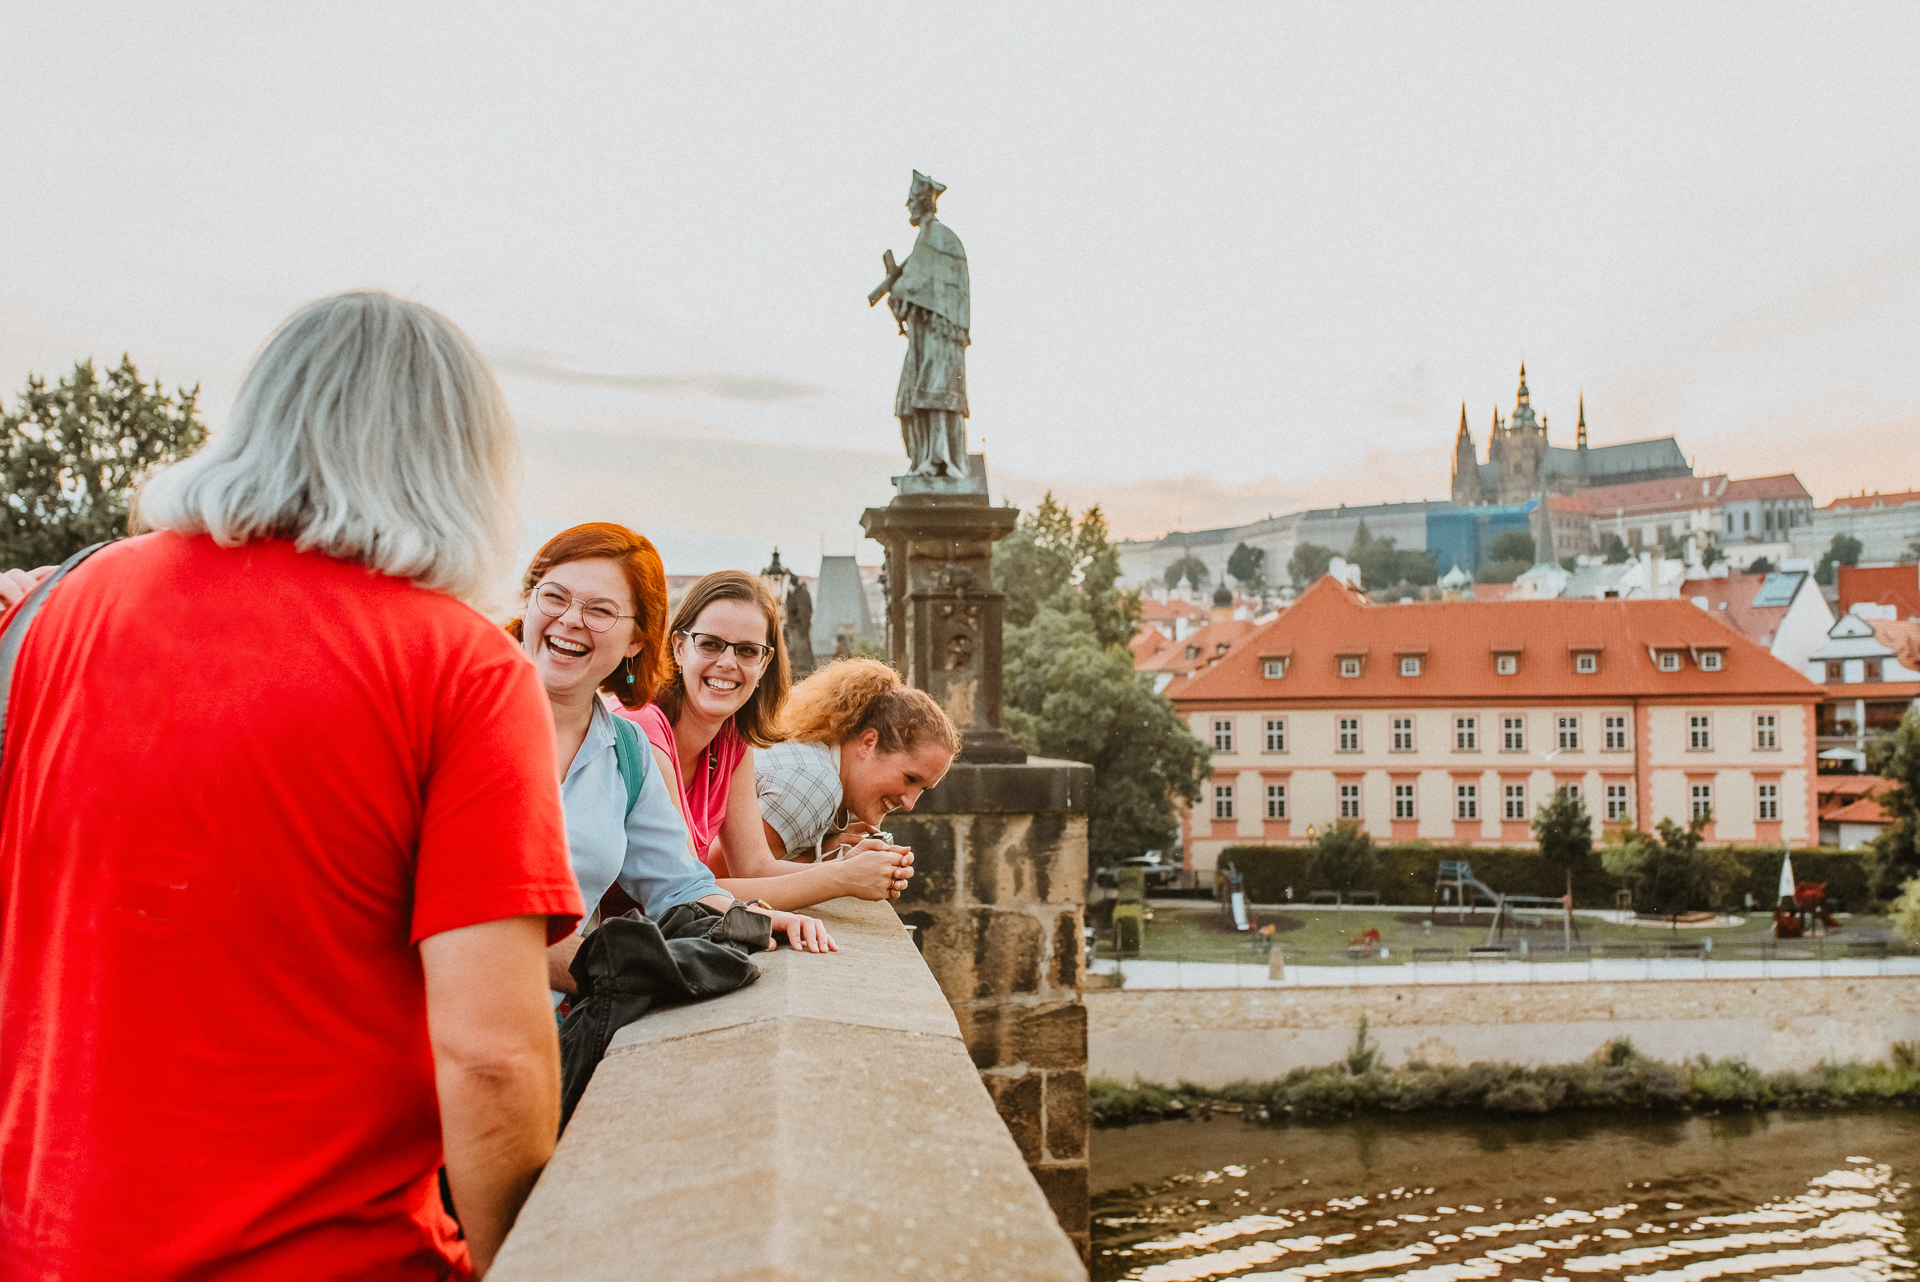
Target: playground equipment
1804, 913
1456, 878
1235, 887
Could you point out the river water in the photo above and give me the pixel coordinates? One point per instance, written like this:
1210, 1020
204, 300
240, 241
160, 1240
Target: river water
1788, 1197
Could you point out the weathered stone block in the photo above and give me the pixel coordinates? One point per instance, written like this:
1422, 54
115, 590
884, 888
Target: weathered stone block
1039, 786
1026, 859
936, 864
1051, 1036
1068, 963
1066, 1190
1007, 954
1067, 1116
1018, 1097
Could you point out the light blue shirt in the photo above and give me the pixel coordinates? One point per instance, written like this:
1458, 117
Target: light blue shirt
646, 848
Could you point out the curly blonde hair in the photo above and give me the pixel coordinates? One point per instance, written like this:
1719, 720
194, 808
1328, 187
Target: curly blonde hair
848, 697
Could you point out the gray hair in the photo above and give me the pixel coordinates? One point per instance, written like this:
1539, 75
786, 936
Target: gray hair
369, 428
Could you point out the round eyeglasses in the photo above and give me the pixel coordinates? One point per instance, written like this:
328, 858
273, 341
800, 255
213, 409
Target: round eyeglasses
597, 613
712, 647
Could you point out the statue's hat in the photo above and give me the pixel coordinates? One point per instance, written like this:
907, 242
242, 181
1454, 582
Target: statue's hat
923, 185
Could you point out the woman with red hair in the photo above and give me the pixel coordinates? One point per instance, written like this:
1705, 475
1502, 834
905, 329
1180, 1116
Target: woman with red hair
593, 621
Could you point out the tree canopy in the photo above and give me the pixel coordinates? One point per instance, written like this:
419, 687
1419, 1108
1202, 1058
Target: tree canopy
1383, 566
71, 454
1512, 545
1564, 830
1669, 871
1894, 858
1248, 565
1844, 550
1615, 550
1070, 688
1345, 857
1308, 563
1192, 569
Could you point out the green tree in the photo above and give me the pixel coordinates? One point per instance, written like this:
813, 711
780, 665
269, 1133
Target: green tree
1070, 688
1247, 565
1906, 912
1712, 555
71, 454
1512, 545
1912, 554
1894, 857
1192, 569
1501, 571
1379, 567
1673, 547
1615, 550
1760, 565
1669, 871
1564, 830
1308, 564
1345, 858
1844, 550
1421, 569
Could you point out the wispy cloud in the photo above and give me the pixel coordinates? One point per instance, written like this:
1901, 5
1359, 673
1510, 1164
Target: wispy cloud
546, 367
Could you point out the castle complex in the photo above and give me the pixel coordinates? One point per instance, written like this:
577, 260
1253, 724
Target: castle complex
1522, 465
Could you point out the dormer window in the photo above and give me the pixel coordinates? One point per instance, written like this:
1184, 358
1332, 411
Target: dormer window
1349, 667
1669, 661
1586, 664
1273, 669
1506, 664
1710, 661
1409, 665
1193, 652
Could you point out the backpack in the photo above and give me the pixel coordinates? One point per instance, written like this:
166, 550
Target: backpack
630, 750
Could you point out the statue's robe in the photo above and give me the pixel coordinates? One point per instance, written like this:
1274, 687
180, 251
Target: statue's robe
932, 298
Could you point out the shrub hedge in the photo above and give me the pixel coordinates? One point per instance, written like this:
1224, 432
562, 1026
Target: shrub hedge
1407, 873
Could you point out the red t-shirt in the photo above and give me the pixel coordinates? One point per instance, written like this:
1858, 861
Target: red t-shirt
240, 785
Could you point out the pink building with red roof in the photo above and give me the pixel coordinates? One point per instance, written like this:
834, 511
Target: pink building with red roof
1453, 722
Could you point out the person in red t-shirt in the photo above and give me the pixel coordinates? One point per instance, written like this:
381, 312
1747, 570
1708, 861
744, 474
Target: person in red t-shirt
281, 848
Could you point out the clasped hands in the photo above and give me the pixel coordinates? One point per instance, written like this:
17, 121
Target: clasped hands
874, 868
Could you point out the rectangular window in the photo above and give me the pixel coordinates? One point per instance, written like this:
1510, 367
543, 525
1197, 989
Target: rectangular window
1700, 732
1516, 800
1569, 790
1769, 801
1586, 664
1669, 661
1223, 801
1349, 667
1766, 732
1349, 734
1513, 734
1466, 801
1616, 734
1276, 801
1223, 736
1410, 666
1570, 734
1710, 661
1507, 664
1403, 734
1466, 734
1703, 801
1349, 801
1276, 734
1273, 669
1403, 801
1616, 802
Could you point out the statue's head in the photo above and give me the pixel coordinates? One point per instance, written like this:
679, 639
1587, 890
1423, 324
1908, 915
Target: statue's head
922, 196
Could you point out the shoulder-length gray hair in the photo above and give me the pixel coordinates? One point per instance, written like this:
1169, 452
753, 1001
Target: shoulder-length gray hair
369, 428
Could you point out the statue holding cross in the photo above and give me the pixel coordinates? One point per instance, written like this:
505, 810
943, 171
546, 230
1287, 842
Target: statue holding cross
930, 298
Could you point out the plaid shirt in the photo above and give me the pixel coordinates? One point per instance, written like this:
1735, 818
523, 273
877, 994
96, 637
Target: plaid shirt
799, 785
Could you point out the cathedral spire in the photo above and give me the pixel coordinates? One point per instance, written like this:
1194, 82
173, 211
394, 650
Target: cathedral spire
1523, 397
1580, 429
1463, 423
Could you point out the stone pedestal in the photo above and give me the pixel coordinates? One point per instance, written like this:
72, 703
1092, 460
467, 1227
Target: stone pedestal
1000, 873
943, 616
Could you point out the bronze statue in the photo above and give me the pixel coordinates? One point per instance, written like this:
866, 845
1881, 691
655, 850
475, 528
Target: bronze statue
931, 300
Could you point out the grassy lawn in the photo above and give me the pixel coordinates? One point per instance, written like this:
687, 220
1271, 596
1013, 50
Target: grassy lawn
1201, 932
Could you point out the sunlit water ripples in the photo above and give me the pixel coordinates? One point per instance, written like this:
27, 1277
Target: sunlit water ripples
1822, 1198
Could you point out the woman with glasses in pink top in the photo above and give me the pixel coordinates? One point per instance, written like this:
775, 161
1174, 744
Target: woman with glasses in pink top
729, 680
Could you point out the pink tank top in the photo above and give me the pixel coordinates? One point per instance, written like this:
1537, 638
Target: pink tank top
703, 797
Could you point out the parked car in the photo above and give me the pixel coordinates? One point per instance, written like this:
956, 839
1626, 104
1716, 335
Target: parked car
1160, 870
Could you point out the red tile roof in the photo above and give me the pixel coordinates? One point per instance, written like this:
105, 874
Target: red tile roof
1736, 593
1201, 648
1170, 608
1895, 585
1679, 494
1902, 636
1785, 486
1461, 639
1875, 500
1864, 811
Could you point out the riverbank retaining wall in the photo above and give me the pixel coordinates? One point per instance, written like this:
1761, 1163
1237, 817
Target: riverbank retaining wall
1216, 1036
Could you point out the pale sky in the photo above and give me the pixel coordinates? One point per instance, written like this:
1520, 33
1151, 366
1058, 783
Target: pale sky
1227, 259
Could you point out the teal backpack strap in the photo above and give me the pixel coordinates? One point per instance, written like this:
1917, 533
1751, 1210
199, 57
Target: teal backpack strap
630, 749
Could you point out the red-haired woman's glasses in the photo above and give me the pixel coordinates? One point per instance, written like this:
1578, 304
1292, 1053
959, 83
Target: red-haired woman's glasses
597, 613
712, 647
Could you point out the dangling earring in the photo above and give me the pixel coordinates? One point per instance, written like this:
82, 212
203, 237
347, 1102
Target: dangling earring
628, 662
